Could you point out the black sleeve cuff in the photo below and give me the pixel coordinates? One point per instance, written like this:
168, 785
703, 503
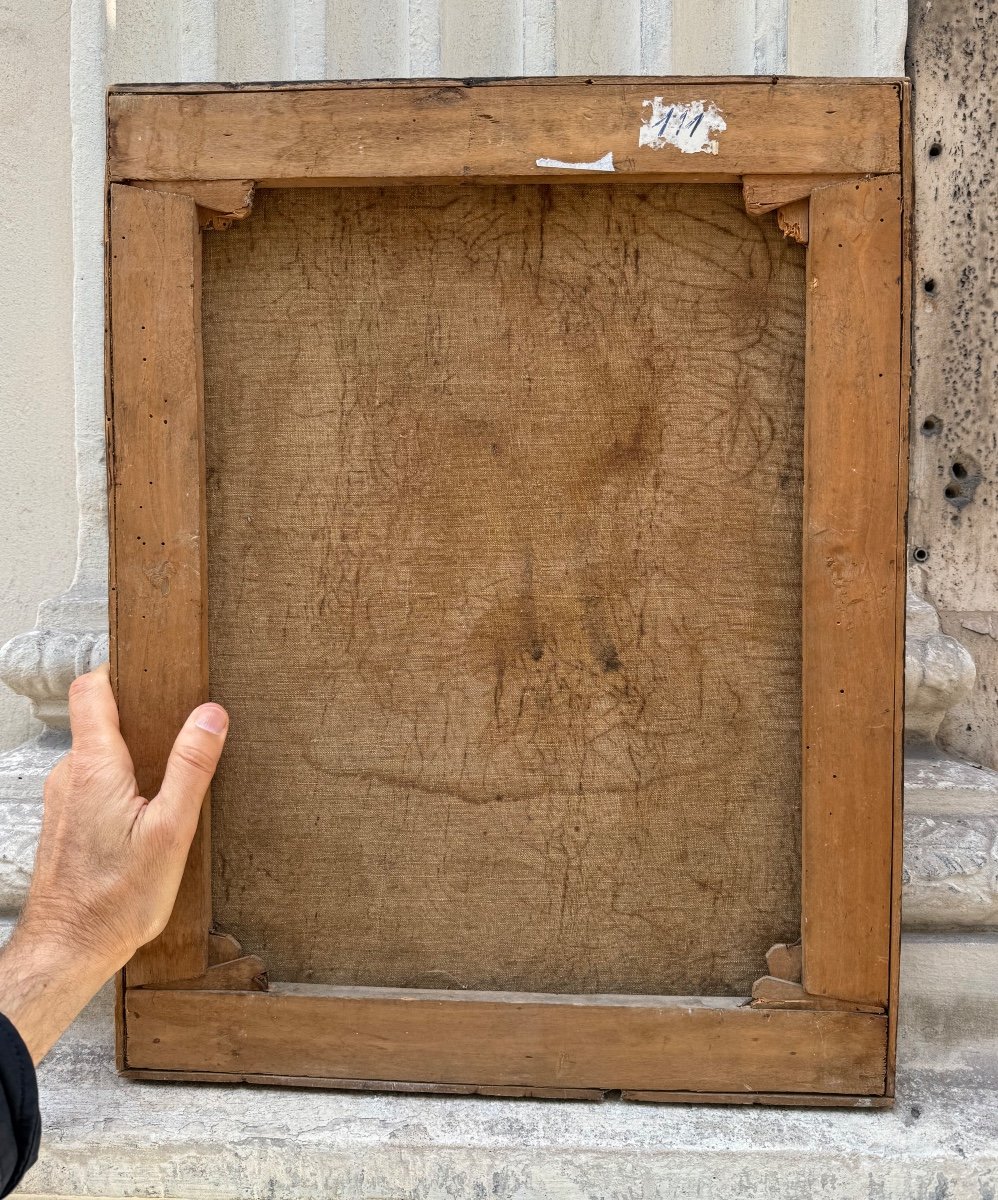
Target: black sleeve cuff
20, 1121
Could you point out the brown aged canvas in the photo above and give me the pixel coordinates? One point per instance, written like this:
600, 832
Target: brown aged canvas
504, 510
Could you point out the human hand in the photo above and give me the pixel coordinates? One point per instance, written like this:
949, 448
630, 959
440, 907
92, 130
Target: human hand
109, 861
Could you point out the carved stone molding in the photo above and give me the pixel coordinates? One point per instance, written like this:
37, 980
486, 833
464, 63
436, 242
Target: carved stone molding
22, 781
950, 843
42, 663
939, 672
951, 871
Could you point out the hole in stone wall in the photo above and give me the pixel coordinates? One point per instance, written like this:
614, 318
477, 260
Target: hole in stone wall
935, 150
931, 425
929, 286
920, 554
965, 475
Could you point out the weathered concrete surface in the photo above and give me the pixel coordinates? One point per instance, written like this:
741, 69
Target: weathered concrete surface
106, 1137
953, 60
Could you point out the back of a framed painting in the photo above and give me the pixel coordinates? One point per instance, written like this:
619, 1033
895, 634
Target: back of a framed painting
529, 486
504, 563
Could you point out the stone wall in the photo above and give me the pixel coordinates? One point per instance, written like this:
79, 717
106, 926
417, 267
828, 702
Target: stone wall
953, 62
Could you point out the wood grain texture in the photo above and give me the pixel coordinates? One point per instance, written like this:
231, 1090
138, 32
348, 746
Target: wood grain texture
247, 973
222, 948
741, 1099
120, 1031
205, 88
763, 193
342, 134
587, 1042
158, 615
772, 992
852, 568
219, 201
467, 449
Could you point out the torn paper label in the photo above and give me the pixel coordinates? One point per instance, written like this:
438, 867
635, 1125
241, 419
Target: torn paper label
689, 127
601, 164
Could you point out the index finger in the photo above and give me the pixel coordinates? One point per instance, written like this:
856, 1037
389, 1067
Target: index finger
93, 714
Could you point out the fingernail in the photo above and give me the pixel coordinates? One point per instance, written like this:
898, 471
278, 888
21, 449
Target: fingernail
212, 718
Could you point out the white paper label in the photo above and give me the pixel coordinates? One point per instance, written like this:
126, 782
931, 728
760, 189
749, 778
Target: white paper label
689, 127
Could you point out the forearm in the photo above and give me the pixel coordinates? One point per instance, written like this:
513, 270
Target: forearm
45, 980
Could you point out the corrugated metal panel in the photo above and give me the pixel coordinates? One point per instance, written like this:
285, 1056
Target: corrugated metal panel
481, 37
846, 37
365, 39
144, 41
309, 39
539, 37
256, 40
713, 37
656, 37
598, 37
309, 18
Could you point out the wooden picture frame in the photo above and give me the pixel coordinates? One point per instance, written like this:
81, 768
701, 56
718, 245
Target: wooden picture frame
831, 156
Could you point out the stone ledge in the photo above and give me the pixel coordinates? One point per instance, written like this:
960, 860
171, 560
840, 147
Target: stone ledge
107, 1137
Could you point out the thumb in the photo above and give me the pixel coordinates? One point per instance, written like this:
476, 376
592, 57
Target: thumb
192, 764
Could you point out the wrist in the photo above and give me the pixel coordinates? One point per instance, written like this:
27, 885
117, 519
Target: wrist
44, 982
49, 943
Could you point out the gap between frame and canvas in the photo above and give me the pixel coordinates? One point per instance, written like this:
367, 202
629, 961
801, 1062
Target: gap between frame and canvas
772, 1097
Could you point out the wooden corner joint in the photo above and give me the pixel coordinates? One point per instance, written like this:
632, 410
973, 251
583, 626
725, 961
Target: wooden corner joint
229, 970
763, 193
782, 987
789, 196
219, 201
